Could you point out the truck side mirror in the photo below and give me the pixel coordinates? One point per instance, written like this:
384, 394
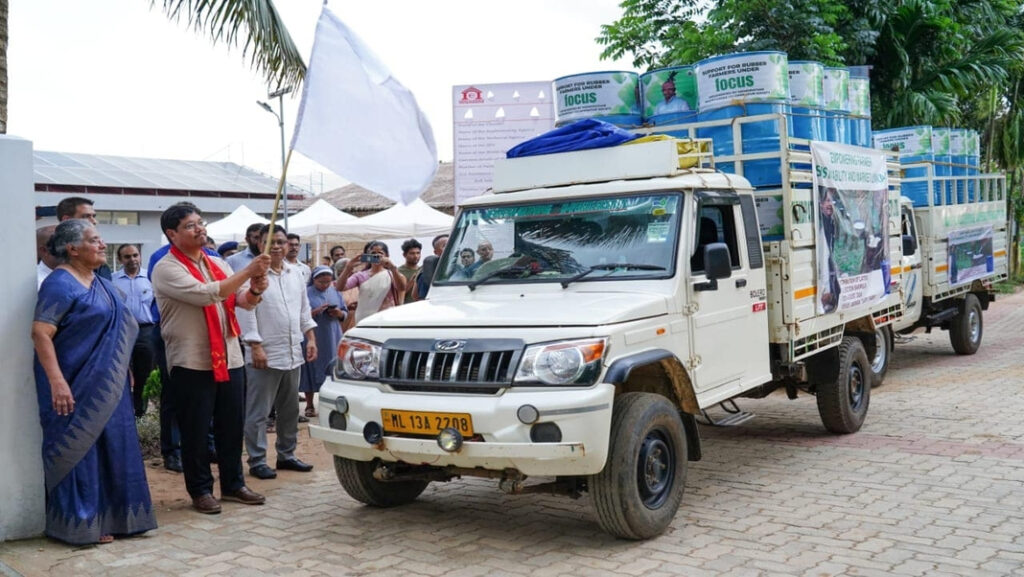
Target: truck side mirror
909, 245
717, 264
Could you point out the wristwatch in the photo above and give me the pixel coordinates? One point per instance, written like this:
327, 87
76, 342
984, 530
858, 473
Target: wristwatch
254, 293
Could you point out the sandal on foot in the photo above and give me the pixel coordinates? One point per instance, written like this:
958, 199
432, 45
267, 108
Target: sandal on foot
105, 539
311, 412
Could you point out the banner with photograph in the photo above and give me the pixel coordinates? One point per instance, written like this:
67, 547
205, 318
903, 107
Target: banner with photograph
970, 254
851, 210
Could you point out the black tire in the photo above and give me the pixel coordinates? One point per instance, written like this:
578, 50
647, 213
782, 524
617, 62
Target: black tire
844, 403
638, 492
356, 477
882, 353
966, 328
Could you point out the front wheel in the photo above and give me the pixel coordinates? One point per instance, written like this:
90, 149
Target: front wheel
356, 477
966, 329
638, 492
880, 358
843, 404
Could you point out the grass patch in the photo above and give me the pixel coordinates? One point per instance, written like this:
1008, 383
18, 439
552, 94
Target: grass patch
1009, 286
148, 426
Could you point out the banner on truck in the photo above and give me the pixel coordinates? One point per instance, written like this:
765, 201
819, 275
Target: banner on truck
970, 254
851, 209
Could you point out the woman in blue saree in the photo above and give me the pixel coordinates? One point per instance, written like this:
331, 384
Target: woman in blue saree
83, 335
328, 309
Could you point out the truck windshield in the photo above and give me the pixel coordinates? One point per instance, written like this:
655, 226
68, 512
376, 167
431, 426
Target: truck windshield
560, 240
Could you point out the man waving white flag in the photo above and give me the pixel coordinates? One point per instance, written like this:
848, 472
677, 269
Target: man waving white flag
357, 120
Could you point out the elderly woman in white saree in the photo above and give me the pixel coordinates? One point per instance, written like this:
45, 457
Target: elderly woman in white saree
379, 283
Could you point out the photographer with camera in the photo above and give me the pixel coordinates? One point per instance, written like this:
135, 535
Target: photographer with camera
379, 281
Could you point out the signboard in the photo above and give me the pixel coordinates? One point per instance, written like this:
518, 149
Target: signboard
851, 209
836, 85
755, 76
488, 120
596, 94
970, 255
806, 84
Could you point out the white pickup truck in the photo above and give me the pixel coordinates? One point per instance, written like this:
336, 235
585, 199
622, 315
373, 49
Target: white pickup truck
626, 296
954, 249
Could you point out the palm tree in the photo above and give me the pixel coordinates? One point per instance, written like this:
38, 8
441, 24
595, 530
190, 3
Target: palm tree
932, 60
256, 22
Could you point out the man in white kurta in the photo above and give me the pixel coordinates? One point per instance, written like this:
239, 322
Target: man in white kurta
274, 357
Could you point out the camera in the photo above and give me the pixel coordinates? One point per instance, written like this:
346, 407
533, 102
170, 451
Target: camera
370, 258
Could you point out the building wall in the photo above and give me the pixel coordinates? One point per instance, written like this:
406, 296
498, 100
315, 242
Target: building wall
148, 233
21, 476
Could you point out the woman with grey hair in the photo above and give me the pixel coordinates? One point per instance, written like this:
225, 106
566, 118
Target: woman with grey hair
95, 480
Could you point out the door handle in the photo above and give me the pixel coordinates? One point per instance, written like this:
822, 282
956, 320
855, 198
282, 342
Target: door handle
741, 282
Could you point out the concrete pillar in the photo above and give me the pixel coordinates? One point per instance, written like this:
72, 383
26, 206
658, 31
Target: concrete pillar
22, 498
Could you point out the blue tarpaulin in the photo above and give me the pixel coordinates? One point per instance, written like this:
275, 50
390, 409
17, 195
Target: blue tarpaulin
580, 135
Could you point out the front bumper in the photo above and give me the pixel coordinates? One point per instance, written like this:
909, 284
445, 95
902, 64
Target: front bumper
583, 415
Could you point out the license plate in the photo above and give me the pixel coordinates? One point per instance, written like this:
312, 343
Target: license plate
425, 422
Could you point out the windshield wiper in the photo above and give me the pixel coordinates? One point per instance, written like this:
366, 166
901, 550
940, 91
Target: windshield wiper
610, 267
511, 268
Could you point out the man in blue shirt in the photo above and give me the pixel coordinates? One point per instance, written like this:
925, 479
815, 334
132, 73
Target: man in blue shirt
138, 296
241, 259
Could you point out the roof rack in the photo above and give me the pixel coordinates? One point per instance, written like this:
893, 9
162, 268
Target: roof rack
661, 157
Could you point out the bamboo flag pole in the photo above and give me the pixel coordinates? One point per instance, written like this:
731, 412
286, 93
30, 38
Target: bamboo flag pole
277, 201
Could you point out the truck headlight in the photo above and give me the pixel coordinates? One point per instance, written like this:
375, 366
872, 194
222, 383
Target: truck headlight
562, 363
358, 359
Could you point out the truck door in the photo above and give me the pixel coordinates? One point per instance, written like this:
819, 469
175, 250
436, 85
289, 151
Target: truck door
730, 321
910, 269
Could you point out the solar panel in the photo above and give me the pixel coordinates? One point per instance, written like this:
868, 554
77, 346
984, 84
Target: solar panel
129, 172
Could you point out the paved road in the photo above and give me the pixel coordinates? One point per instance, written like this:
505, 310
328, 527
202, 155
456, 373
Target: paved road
932, 485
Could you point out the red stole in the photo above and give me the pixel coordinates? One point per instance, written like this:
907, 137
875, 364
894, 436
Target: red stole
218, 345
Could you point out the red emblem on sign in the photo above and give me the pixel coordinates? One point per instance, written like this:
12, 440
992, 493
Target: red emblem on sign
758, 307
471, 96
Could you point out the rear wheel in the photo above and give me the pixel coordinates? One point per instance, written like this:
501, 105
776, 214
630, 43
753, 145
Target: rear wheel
966, 329
843, 404
356, 477
638, 492
882, 353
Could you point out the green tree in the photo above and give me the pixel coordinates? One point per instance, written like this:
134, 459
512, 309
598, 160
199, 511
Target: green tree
669, 32
934, 59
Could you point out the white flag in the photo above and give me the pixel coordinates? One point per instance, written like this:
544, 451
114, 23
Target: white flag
359, 121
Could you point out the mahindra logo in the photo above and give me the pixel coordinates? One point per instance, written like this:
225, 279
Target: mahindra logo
448, 346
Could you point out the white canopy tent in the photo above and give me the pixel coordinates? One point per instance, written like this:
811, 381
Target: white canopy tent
232, 226
317, 219
416, 220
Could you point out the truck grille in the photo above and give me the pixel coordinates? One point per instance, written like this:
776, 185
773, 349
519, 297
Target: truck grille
466, 366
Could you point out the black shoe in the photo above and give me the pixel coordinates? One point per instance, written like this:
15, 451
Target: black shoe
245, 496
262, 471
173, 463
294, 464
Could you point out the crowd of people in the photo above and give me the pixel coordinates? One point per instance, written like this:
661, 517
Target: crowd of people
241, 336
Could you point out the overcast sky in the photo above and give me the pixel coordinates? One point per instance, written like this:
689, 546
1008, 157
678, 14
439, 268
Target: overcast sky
117, 77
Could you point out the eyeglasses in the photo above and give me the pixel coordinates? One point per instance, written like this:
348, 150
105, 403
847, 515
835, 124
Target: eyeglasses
193, 225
